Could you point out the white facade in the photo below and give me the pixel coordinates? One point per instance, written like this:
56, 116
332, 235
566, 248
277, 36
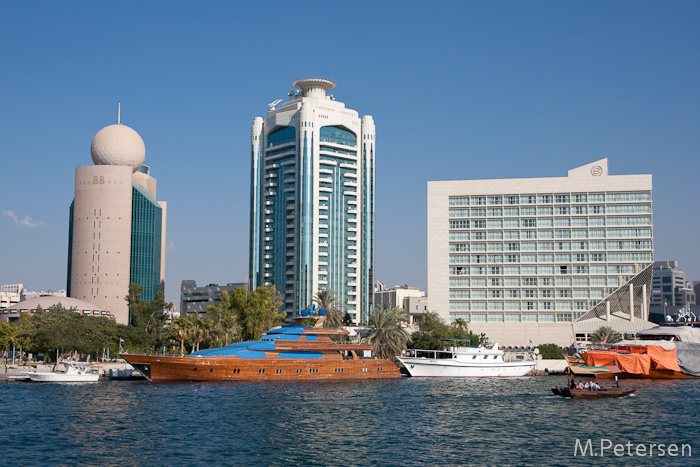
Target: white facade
11, 294
312, 200
523, 259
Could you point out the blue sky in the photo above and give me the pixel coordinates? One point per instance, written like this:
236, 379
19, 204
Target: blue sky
458, 90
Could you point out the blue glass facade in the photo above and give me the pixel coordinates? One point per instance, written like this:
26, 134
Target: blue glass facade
146, 232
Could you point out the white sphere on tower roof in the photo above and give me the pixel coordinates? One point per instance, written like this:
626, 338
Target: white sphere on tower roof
118, 145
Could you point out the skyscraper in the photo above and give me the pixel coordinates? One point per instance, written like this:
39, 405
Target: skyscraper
542, 260
312, 200
116, 228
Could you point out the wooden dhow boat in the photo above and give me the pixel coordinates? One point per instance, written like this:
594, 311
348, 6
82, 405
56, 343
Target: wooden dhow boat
602, 393
293, 352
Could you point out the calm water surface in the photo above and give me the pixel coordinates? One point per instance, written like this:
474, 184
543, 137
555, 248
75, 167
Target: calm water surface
409, 421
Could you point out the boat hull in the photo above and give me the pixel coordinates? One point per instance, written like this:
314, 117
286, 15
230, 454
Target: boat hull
63, 378
602, 393
227, 368
446, 368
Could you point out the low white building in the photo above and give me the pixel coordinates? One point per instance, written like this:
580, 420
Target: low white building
11, 294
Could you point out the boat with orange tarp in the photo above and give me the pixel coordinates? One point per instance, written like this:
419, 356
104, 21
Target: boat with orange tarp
675, 353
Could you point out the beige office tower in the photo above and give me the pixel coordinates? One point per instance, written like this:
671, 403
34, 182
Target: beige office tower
117, 228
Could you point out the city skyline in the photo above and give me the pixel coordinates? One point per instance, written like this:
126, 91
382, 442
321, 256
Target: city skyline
527, 91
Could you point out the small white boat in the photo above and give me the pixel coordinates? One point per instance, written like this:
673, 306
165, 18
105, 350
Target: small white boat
75, 373
467, 362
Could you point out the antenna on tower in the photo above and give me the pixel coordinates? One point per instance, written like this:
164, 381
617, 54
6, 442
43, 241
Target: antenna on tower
272, 105
119, 113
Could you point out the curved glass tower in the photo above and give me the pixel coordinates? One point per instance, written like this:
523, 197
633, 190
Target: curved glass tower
312, 200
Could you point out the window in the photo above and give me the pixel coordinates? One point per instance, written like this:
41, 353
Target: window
454, 225
529, 222
478, 224
561, 198
544, 199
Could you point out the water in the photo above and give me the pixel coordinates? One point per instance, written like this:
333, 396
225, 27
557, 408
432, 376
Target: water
409, 421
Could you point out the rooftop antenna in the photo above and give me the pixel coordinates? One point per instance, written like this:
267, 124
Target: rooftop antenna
272, 105
119, 113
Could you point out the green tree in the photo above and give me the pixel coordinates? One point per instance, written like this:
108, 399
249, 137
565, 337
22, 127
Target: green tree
257, 311
550, 351
201, 328
179, 331
432, 329
149, 316
347, 319
605, 335
7, 334
387, 336
328, 300
224, 321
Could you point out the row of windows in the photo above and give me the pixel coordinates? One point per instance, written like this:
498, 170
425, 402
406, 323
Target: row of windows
534, 281
524, 317
542, 234
549, 246
548, 199
548, 222
550, 258
518, 305
560, 269
551, 211
526, 293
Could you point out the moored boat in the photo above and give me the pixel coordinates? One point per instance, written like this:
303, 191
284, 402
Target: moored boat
467, 362
292, 352
668, 351
75, 373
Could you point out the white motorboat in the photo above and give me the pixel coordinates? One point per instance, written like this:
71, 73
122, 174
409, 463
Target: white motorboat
75, 373
468, 362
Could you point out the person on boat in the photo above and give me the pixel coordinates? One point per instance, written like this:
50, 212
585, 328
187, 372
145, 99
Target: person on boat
572, 384
580, 385
587, 385
594, 386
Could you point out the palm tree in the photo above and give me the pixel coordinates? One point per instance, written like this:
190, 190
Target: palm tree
605, 335
200, 330
179, 331
328, 300
387, 335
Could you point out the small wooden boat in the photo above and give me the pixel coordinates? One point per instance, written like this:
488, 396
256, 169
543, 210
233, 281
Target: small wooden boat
602, 393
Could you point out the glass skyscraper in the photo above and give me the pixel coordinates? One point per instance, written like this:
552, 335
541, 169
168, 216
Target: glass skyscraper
312, 200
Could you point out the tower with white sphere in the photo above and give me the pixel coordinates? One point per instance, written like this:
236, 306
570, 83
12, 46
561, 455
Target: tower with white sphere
117, 227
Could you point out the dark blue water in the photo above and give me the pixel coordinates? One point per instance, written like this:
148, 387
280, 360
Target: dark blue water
409, 421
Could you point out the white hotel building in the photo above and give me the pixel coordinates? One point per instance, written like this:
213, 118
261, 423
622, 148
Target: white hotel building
542, 260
